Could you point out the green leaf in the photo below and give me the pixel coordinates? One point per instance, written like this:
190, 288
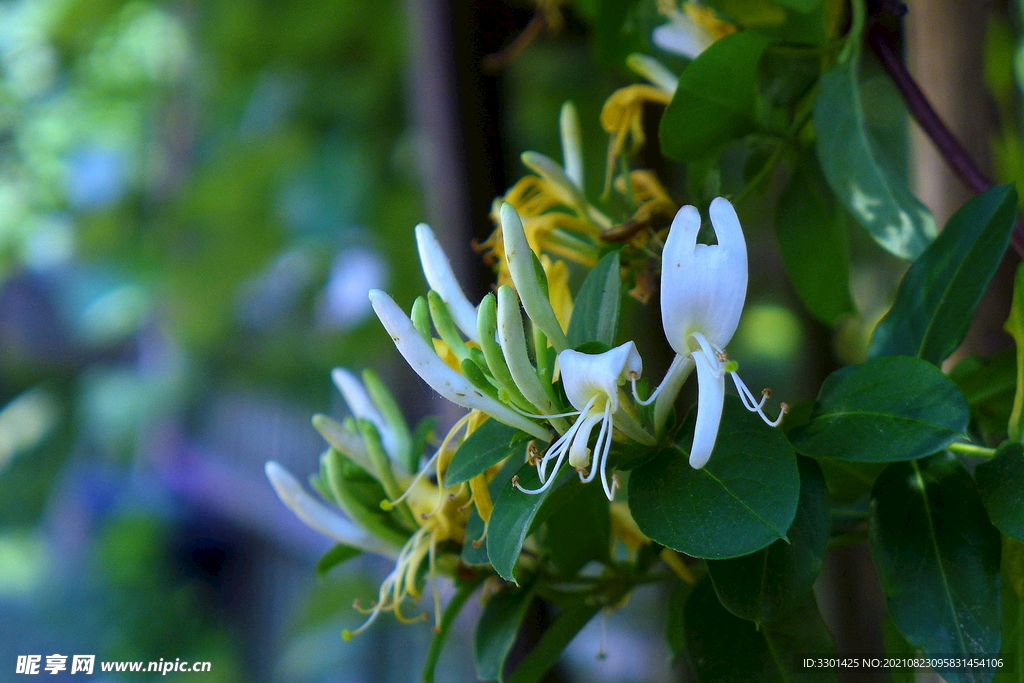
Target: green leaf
938, 295
595, 313
714, 101
571, 543
938, 560
462, 592
1001, 483
497, 628
724, 648
1015, 326
513, 517
337, 555
988, 385
477, 554
890, 408
554, 641
489, 444
811, 229
741, 501
874, 195
770, 583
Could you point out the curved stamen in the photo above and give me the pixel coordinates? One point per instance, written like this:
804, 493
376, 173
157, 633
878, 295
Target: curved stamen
748, 402
603, 435
606, 447
541, 416
636, 397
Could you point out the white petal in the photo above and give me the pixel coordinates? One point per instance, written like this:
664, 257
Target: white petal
703, 286
438, 272
586, 375
524, 277
682, 36
363, 407
436, 372
320, 517
344, 441
572, 144
710, 399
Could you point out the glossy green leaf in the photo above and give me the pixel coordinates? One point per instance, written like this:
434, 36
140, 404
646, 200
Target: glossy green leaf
489, 444
556, 638
741, 501
571, 541
337, 555
1001, 483
890, 408
463, 590
811, 229
513, 518
1015, 326
937, 297
873, 194
938, 560
497, 628
474, 550
714, 101
595, 313
770, 583
726, 649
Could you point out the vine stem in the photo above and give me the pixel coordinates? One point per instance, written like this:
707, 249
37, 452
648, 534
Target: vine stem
971, 449
924, 113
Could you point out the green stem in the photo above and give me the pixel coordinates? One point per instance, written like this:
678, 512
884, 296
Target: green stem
971, 449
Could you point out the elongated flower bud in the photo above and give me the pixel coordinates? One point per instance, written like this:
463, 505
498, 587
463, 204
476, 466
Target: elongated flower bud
321, 518
441, 378
524, 275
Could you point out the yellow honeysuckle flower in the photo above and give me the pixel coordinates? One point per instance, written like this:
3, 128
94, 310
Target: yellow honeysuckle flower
558, 289
622, 118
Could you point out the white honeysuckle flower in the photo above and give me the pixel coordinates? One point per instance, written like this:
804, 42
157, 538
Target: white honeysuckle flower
441, 278
591, 383
363, 408
682, 35
703, 287
321, 518
435, 372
